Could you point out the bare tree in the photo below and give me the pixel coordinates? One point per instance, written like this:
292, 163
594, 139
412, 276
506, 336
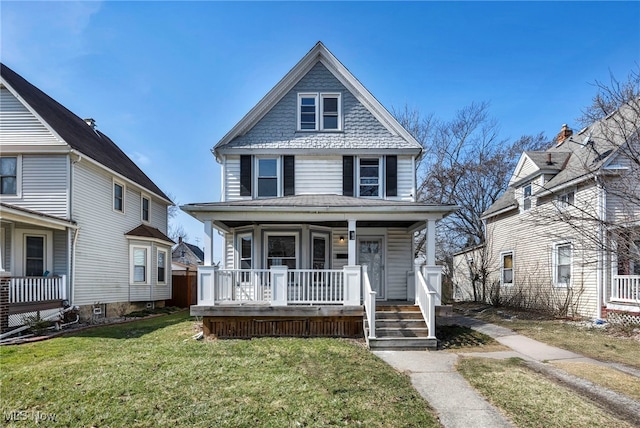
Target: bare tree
176, 230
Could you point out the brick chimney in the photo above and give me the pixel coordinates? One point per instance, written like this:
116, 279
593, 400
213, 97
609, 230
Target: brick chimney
564, 133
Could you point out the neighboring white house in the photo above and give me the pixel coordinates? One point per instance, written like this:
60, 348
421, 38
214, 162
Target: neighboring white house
79, 221
566, 234
318, 179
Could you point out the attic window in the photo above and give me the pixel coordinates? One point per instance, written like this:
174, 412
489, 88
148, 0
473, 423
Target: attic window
526, 197
319, 111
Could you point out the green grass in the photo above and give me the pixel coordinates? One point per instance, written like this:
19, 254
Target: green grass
529, 399
599, 344
150, 373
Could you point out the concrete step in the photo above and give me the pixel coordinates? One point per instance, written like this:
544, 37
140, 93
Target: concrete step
402, 343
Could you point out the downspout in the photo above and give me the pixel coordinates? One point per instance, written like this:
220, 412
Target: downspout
600, 276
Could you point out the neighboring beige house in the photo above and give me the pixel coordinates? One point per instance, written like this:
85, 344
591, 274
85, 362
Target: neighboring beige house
80, 223
319, 180
566, 233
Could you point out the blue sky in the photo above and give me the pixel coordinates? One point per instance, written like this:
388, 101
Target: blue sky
167, 80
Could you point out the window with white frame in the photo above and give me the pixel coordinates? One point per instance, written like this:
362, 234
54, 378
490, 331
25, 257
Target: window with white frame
526, 197
282, 250
506, 268
145, 204
162, 267
245, 251
563, 255
319, 111
139, 259
9, 175
369, 177
118, 196
267, 177
566, 199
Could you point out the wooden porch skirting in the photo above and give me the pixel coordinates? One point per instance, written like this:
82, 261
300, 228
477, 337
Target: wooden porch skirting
244, 322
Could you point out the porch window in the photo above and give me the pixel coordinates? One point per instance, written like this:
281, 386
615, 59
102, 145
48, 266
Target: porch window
162, 260
145, 208
118, 197
369, 177
506, 268
282, 251
267, 177
34, 258
562, 264
526, 197
320, 252
9, 176
245, 245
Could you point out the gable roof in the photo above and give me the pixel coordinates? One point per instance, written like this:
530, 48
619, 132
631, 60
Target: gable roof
318, 54
195, 250
575, 159
76, 132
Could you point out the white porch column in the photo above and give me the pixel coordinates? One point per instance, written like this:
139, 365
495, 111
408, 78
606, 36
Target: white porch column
279, 285
207, 285
208, 243
430, 245
352, 242
433, 277
352, 285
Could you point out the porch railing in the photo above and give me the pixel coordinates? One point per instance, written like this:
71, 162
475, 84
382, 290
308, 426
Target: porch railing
278, 286
35, 289
428, 281
625, 288
369, 302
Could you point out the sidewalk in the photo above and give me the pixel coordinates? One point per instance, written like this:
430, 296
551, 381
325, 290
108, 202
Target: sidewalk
458, 405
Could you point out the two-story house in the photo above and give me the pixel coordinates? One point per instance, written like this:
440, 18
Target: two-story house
565, 236
80, 223
319, 180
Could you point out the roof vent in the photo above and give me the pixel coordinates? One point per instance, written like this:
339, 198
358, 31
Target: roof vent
564, 133
91, 122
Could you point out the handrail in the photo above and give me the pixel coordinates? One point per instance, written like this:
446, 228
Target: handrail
369, 302
31, 289
426, 298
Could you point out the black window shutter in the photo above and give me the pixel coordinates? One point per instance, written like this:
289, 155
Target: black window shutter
289, 175
246, 176
347, 175
391, 175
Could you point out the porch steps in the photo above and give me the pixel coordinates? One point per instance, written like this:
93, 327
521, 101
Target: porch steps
400, 327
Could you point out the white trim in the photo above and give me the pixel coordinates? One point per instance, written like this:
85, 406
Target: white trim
502, 268
524, 198
381, 186
556, 247
324, 95
316, 103
326, 236
238, 249
113, 195
256, 176
18, 194
132, 248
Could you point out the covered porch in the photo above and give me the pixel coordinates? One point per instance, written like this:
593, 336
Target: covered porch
320, 262
34, 265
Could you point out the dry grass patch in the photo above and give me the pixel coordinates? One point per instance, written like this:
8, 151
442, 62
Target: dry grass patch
610, 378
529, 399
458, 338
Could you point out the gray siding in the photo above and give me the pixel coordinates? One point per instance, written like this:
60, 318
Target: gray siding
60, 253
44, 186
277, 129
399, 263
19, 126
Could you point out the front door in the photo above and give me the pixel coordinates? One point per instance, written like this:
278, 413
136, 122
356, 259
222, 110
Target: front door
370, 253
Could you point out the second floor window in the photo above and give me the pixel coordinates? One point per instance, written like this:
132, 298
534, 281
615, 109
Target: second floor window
565, 200
267, 177
526, 197
369, 177
145, 209
9, 175
118, 197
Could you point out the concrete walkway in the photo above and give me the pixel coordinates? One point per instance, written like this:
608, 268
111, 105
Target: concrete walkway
458, 405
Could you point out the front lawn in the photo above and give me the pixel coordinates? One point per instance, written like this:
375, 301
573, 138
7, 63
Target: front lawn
151, 373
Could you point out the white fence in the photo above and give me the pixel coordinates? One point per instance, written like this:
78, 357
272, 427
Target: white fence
625, 288
428, 286
278, 286
34, 289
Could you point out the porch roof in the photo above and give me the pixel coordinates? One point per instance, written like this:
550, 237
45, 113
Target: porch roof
317, 209
23, 215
